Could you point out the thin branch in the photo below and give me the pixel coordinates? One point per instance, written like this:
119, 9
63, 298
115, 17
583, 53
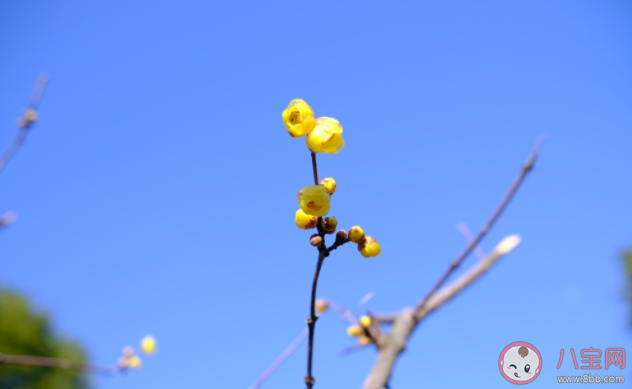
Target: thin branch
56, 363
523, 173
25, 121
311, 321
404, 323
281, 358
467, 234
344, 312
447, 293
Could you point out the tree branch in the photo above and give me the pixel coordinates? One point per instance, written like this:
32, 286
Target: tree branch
25, 121
404, 323
474, 243
54, 362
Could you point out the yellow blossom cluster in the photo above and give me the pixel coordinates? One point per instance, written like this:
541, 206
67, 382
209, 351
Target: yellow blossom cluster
131, 360
367, 245
360, 330
324, 135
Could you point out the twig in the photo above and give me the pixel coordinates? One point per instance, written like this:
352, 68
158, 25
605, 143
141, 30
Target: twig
25, 122
467, 234
525, 169
344, 312
311, 321
54, 362
279, 361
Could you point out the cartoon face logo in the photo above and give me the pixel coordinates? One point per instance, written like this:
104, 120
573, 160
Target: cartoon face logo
520, 363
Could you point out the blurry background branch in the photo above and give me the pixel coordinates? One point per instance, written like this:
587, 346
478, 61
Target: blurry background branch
26, 121
404, 323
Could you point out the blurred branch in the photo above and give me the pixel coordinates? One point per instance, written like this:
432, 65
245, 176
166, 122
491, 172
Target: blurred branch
55, 363
281, 358
467, 234
405, 322
526, 168
25, 121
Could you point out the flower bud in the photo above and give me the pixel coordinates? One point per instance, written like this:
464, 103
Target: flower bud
134, 362
123, 363
364, 340
355, 330
30, 115
314, 200
305, 221
365, 321
341, 235
128, 351
329, 224
148, 345
329, 184
369, 247
322, 306
298, 118
356, 234
315, 240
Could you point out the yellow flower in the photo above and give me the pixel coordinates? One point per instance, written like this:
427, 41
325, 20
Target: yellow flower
369, 247
314, 200
304, 221
298, 118
355, 330
326, 136
356, 234
148, 345
365, 321
134, 362
322, 306
329, 184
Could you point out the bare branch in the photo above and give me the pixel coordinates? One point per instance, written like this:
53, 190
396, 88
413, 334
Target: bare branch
405, 322
523, 173
467, 234
56, 363
281, 358
465, 280
25, 121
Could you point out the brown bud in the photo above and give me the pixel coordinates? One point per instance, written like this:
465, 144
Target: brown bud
341, 235
315, 240
329, 224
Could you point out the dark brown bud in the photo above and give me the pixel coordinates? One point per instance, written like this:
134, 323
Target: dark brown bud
341, 235
315, 240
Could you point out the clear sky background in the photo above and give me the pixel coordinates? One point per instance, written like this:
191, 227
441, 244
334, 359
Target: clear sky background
157, 192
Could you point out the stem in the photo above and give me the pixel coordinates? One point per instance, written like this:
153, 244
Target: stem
315, 168
311, 322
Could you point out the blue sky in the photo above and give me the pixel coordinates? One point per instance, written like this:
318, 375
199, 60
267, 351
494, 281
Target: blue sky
157, 192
